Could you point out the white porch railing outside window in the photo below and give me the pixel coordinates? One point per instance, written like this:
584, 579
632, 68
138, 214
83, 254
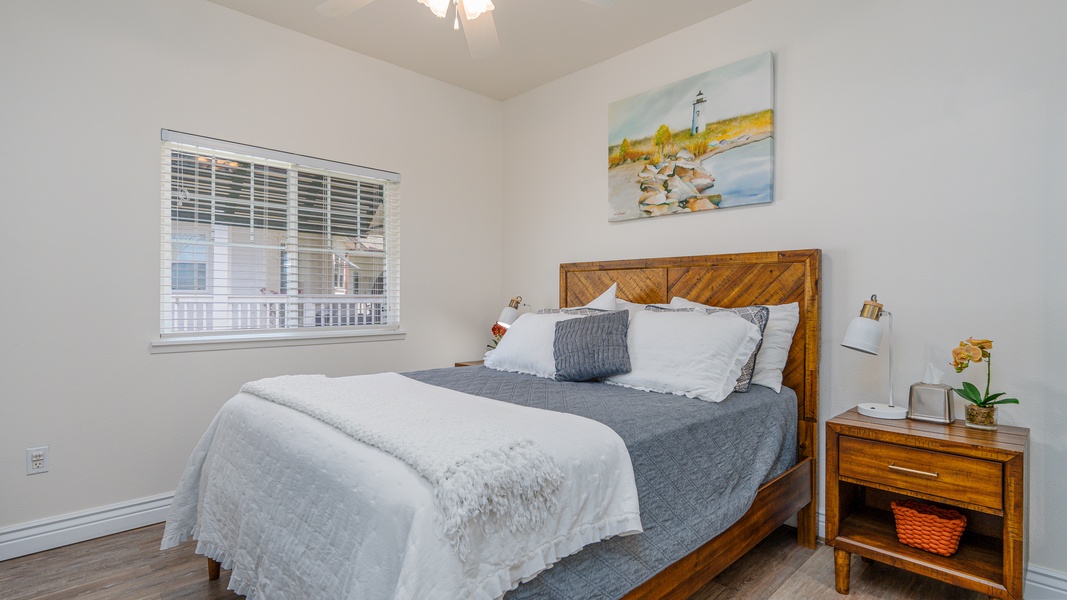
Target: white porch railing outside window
231, 313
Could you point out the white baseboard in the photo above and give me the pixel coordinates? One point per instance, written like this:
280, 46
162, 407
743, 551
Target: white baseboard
1045, 584
1040, 584
54, 532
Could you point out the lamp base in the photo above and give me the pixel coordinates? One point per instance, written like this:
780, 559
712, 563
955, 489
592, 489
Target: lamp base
882, 411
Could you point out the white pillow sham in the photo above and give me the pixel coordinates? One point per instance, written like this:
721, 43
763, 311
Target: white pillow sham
605, 301
777, 339
635, 308
527, 347
687, 353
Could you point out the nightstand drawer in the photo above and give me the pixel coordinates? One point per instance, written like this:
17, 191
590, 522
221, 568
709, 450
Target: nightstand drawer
950, 476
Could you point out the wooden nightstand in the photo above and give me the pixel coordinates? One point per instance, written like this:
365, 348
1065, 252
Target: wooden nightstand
982, 474
470, 363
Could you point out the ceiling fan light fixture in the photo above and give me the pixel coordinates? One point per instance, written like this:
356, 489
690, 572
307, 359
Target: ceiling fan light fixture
473, 8
437, 7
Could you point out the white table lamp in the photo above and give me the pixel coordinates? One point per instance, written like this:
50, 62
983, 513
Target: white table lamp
510, 313
864, 333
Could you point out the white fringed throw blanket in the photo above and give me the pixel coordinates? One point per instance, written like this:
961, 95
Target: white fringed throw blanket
482, 474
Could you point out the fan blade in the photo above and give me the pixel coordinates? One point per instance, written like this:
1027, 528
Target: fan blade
341, 8
601, 3
481, 34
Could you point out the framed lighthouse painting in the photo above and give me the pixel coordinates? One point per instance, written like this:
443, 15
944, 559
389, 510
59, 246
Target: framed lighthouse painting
702, 143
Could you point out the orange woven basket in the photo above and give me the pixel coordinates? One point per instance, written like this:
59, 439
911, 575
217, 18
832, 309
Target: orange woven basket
928, 527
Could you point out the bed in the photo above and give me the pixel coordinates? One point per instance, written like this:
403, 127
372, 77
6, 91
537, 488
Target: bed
767, 278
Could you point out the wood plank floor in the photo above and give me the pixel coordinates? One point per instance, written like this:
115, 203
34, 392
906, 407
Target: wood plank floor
130, 566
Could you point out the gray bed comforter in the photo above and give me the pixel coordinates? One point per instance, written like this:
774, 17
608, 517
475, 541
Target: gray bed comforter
697, 465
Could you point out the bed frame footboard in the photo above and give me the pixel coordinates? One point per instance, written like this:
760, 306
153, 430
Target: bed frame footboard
775, 502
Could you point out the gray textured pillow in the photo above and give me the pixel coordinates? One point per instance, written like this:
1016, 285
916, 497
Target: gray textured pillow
757, 315
592, 347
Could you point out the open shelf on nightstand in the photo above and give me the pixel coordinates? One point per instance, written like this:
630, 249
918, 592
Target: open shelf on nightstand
872, 533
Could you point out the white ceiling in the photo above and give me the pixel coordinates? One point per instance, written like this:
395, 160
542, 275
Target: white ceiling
540, 40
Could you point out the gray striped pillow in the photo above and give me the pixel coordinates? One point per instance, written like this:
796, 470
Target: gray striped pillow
592, 347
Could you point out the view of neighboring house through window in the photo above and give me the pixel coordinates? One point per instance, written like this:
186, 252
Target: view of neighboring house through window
188, 266
257, 240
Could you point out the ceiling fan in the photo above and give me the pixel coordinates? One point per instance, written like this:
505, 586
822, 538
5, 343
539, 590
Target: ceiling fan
476, 15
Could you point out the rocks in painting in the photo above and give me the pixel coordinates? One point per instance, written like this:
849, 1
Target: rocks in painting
702, 183
678, 189
676, 185
655, 203
702, 203
674, 182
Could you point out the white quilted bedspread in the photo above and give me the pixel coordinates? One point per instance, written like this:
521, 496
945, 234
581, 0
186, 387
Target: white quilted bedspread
300, 510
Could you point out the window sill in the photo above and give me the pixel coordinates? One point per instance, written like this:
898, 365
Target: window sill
169, 345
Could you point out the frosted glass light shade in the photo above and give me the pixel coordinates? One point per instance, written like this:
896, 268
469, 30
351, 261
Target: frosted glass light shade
438, 7
473, 8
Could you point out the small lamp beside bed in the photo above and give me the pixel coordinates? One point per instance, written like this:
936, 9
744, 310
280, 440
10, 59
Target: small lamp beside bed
510, 313
864, 334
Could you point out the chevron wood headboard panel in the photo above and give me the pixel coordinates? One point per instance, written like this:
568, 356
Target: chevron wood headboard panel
727, 280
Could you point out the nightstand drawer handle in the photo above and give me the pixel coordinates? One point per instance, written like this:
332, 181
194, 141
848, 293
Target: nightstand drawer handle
912, 471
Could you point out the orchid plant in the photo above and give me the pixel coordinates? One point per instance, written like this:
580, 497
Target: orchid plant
973, 350
498, 331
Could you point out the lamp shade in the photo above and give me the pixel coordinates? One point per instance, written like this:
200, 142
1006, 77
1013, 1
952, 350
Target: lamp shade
474, 8
863, 334
510, 312
438, 7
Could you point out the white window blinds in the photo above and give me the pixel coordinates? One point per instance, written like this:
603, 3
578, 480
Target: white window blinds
258, 240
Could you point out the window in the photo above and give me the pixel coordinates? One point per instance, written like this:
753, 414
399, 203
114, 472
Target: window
260, 243
188, 267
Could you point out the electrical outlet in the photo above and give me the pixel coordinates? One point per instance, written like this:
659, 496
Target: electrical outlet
36, 460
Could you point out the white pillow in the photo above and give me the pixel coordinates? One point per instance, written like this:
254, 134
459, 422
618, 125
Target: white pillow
777, 339
635, 308
690, 354
605, 301
527, 346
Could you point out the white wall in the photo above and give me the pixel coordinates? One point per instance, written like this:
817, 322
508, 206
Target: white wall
919, 144
86, 87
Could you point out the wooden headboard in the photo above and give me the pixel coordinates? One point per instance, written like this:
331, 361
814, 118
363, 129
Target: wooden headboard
727, 280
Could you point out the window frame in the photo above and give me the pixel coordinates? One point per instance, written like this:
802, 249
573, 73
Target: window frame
170, 340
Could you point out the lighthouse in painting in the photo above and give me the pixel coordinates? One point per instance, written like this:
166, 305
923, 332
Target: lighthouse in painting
698, 114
